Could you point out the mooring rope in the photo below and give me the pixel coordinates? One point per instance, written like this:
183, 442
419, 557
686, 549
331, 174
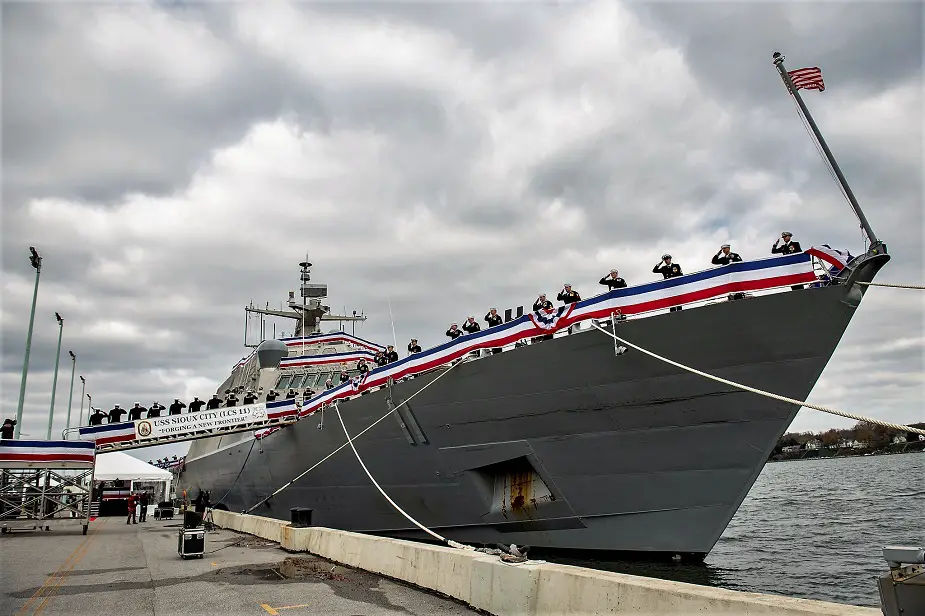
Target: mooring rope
450, 542
892, 286
368, 428
761, 392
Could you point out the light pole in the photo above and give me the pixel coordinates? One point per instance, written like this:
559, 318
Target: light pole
36, 261
83, 389
70, 397
54, 382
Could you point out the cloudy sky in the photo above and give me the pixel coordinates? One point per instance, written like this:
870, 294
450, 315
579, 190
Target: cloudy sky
173, 162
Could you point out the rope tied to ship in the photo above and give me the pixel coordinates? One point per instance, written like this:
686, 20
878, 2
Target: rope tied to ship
892, 286
367, 429
449, 542
761, 392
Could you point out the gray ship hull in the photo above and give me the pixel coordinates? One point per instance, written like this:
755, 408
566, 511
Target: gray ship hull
562, 444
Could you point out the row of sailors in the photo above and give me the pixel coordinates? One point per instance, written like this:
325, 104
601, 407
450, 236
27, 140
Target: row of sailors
98, 417
568, 295
666, 267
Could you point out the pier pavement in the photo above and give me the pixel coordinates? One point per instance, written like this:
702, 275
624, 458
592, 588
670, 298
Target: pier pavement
119, 569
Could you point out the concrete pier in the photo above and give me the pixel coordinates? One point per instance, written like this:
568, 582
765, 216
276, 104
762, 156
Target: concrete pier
485, 583
122, 570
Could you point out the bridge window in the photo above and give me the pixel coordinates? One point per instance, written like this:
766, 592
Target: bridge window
297, 381
284, 381
313, 380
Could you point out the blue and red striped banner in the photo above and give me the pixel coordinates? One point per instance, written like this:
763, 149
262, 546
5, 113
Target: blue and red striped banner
328, 358
762, 274
46, 453
333, 338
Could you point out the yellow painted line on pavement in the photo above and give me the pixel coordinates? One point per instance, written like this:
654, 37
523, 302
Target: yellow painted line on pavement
53, 576
272, 610
54, 589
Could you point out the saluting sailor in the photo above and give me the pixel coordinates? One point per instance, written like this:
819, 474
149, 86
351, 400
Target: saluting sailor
725, 257
471, 326
454, 332
542, 303
493, 318
413, 346
613, 280
668, 270
788, 247
567, 295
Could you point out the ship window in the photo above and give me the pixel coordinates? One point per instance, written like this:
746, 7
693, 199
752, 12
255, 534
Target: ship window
314, 380
297, 381
284, 381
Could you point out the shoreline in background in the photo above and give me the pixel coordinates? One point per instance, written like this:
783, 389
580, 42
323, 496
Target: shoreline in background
844, 452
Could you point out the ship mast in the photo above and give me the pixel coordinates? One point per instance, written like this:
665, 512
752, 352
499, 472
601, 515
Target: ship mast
310, 313
785, 76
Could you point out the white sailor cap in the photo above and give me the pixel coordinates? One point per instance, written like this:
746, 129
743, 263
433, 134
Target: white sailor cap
725, 246
117, 406
567, 284
614, 271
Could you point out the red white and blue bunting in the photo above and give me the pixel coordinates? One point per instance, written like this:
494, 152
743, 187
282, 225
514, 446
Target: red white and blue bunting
46, 453
108, 434
769, 273
333, 338
329, 358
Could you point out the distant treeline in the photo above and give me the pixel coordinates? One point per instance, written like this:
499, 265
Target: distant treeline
860, 439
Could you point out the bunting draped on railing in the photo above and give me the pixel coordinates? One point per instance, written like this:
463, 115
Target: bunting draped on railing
333, 338
757, 275
46, 453
182, 426
329, 358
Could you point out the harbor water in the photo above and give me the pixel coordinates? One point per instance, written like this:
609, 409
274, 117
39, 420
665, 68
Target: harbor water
812, 529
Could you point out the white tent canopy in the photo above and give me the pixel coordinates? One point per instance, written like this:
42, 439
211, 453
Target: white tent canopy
118, 465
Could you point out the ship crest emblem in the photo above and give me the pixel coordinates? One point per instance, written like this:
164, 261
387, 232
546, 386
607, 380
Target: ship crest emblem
144, 428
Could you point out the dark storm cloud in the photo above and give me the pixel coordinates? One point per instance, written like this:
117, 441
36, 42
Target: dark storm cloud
865, 46
174, 163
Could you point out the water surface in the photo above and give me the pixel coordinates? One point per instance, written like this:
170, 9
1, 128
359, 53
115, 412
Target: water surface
813, 529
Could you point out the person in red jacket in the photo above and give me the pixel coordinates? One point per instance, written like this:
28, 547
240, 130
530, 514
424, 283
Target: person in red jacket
132, 502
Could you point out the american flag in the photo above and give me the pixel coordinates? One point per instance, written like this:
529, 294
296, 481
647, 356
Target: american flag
807, 78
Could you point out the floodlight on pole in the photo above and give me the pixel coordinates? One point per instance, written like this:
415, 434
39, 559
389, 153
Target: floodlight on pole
54, 381
36, 262
70, 397
83, 390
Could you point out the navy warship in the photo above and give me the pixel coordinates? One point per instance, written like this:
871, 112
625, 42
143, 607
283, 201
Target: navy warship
563, 441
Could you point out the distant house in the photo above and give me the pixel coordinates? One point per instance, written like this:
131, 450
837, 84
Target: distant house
813, 445
899, 439
851, 444
790, 448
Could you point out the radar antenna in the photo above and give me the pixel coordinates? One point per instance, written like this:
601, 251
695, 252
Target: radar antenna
308, 314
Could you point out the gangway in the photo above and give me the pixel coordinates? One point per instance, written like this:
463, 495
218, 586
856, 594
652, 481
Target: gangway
190, 426
45, 484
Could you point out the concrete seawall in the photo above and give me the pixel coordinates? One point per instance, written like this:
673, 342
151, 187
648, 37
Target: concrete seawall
486, 583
